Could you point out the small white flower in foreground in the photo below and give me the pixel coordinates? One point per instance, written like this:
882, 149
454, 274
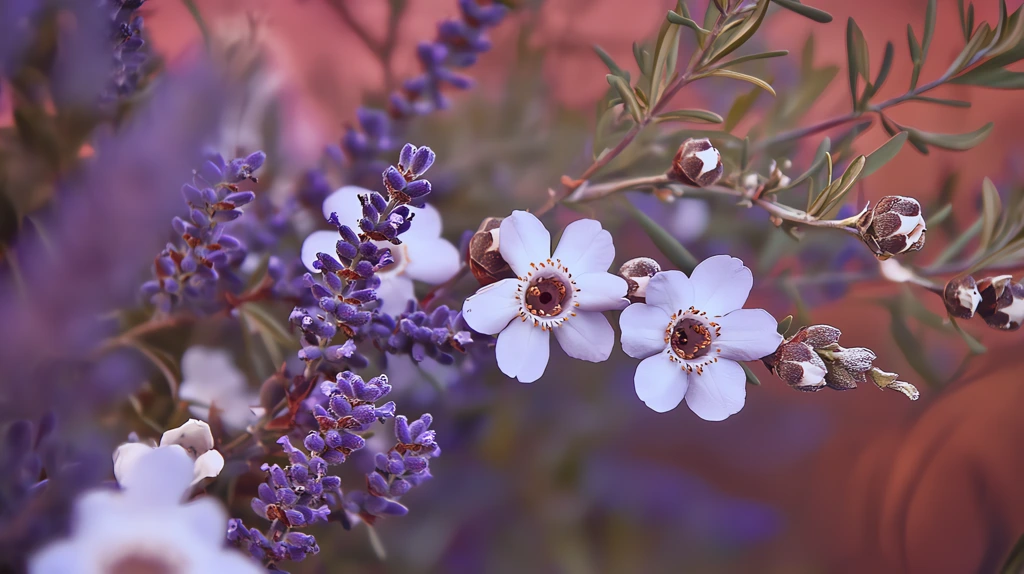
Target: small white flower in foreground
423, 255
146, 528
563, 293
193, 438
210, 376
691, 333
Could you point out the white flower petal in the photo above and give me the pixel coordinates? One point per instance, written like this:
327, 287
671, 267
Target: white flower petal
207, 465
585, 247
718, 392
426, 224
205, 517
432, 261
194, 435
319, 242
523, 240
587, 337
748, 335
671, 290
601, 291
162, 475
720, 284
493, 306
345, 202
126, 458
523, 351
643, 330
394, 293
660, 383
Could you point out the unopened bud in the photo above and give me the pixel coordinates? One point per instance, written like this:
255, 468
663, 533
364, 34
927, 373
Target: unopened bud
1002, 302
798, 365
637, 273
896, 225
485, 260
886, 380
961, 297
697, 163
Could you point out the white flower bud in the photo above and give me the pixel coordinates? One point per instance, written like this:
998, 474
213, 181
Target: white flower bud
697, 163
896, 225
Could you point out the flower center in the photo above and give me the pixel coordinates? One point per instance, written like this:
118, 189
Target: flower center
690, 338
143, 563
546, 295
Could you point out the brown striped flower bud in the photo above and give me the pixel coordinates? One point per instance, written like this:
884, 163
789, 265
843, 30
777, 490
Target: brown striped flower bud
637, 273
961, 297
1002, 302
798, 365
485, 261
896, 225
697, 163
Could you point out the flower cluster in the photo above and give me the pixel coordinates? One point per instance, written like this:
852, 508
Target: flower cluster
812, 359
129, 53
207, 257
998, 300
419, 334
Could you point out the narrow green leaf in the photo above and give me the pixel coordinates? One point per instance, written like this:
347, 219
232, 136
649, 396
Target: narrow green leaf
942, 101
700, 116
963, 20
739, 76
627, 95
929, 29
163, 361
884, 154
938, 217
743, 32
785, 324
991, 209
1014, 563
752, 57
740, 107
911, 347
958, 245
819, 160
806, 11
608, 61
915, 56
973, 345
751, 377
667, 43
702, 34
959, 142
856, 58
710, 15
204, 30
973, 46
996, 78
663, 240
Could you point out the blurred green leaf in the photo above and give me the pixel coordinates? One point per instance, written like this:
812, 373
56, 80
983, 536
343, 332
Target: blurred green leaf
938, 217
743, 33
958, 142
929, 29
663, 240
883, 73
752, 57
958, 244
996, 78
884, 154
739, 76
163, 361
751, 377
268, 322
991, 209
643, 60
666, 45
942, 101
608, 61
710, 16
785, 324
973, 345
806, 11
204, 31
820, 156
1014, 563
915, 56
701, 116
911, 347
857, 58
740, 107
627, 95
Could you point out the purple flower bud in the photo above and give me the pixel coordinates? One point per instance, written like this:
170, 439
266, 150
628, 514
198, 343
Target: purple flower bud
348, 235
314, 442
395, 465
364, 414
340, 405
393, 179
352, 441
227, 215
415, 464
332, 439
259, 507
240, 198
334, 457
295, 518
378, 202
346, 250
364, 268
310, 353
317, 466
368, 249
422, 160
192, 195
402, 430
417, 189
199, 218
399, 487
376, 484
287, 496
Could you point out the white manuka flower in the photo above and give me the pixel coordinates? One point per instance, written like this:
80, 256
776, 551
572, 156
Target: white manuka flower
146, 528
564, 293
690, 334
422, 256
193, 438
210, 377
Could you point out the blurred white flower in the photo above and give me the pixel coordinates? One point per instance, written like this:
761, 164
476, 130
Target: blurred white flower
423, 254
564, 293
689, 218
210, 376
193, 438
146, 528
691, 333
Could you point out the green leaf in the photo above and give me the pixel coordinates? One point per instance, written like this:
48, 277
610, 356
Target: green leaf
973, 345
820, 156
942, 101
929, 29
959, 142
666, 45
700, 116
643, 60
608, 61
996, 78
740, 108
204, 31
663, 240
915, 56
743, 32
857, 58
627, 95
710, 16
1014, 563
702, 34
739, 76
163, 361
883, 73
820, 16
938, 217
911, 347
785, 324
884, 154
751, 377
266, 321
991, 209
752, 57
